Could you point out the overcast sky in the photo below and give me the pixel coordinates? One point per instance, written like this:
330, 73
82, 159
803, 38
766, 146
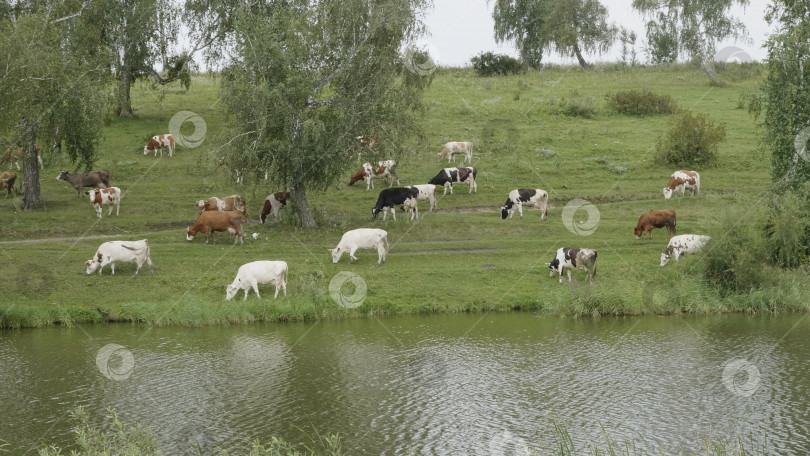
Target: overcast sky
460, 29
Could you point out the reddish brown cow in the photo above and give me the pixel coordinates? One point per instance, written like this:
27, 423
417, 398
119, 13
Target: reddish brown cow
655, 219
7, 179
210, 221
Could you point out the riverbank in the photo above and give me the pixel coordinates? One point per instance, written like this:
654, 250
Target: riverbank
463, 258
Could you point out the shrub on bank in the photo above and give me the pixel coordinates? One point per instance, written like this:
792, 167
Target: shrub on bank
641, 103
490, 64
692, 140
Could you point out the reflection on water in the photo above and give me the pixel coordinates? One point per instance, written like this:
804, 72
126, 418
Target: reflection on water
453, 384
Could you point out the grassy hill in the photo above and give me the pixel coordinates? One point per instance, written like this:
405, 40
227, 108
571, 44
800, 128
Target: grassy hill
462, 258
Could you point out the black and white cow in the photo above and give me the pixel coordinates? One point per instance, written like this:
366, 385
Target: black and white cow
391, 197
525, 197
449, 176
570, 258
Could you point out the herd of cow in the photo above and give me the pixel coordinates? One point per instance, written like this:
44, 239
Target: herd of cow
227, 214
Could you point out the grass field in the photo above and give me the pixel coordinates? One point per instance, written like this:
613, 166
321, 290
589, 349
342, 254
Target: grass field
461, 258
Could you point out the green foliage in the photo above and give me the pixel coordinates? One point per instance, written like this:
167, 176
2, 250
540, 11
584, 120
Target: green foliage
735, 262
692, 140
786, 93
490, 64
788, 229
307, 79
568, 27
694, 27
641, 103
574, 105
114, 438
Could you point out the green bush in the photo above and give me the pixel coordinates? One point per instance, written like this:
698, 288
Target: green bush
575, 105
489, 64
641, 103
788, 230
692, 140
736, 261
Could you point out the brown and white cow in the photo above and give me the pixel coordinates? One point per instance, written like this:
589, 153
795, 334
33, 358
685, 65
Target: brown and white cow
655, 219
12, 156
7, 179
367, 144
571, 258
228, 203
682, 180
456, 148
274, 203
110, 196
379, 170
525, 197
209, 222
160, 142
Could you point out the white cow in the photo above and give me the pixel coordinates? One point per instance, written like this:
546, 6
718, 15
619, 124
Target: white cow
110, 196
127, 251
427, 192
683, 244
362, 238
570, 258
250, 275
457, 148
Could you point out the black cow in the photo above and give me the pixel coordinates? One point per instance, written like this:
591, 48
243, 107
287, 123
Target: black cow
391, 197
449, 176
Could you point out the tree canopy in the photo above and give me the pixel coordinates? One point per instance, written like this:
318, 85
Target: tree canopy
694, 26
307, 78
568, 27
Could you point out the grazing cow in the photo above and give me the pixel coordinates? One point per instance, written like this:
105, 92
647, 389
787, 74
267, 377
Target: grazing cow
525, 197
100, 178
457, 148
13, 156
250, 275
384, 169
683, 244
7, 179
570, 258
209, 222
128, 251
655, 219
228, 203
392, 197
426, 192
682, 180
274, 203
449, 176
362, 238
110, 196
160, 142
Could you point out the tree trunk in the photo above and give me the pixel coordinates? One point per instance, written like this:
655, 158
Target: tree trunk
32, 198
708, 68
124, 83
581, 59
298, 194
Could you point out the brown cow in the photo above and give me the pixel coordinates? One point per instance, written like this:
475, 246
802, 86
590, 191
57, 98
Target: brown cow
655, 219
7, 179
13, 156
227, 203
209, 222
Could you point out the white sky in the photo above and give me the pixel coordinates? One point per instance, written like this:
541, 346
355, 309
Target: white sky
460, 29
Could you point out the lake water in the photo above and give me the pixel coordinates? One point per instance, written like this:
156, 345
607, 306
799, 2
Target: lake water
448, 384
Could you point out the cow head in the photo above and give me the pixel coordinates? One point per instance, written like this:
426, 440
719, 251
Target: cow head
91, 266
374, 213
336, 254
62, 176
504, 213
552, 267
638, 232
190, 233
231, 290
667, 192
665, 259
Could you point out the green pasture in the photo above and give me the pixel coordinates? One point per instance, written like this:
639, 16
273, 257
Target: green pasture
461, 258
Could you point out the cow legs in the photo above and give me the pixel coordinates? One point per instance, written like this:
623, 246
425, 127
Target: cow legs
569, 275
520, 208
351, 254
450, 184
473, 185
112, 267
256, 289
393, 213
380, 254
